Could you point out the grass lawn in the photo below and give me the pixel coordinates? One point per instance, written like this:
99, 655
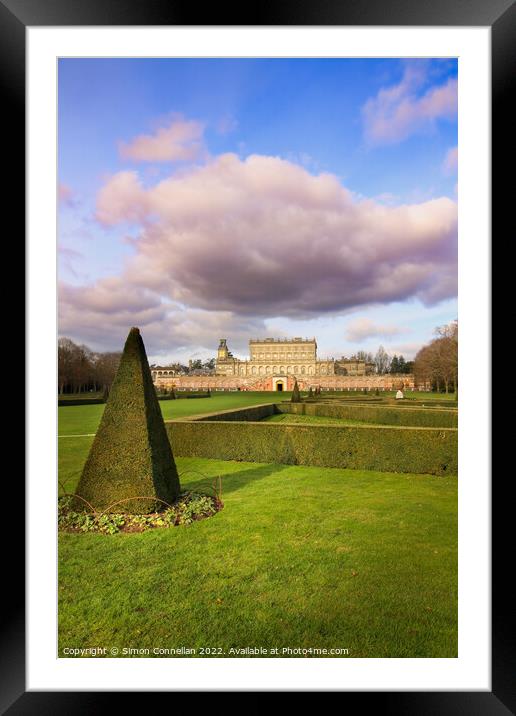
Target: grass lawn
84, 419
300, 557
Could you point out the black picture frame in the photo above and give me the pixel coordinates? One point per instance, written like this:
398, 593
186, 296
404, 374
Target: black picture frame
500, 15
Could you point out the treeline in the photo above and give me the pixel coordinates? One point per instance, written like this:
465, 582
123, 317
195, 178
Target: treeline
437, 364
82, 370
385, 363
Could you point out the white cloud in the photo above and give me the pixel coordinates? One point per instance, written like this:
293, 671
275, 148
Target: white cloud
401, 110
181, 140
265, 237
221, 247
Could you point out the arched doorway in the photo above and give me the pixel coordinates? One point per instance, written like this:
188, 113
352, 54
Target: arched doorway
279, 383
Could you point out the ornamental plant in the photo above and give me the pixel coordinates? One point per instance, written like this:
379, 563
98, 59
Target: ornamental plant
130, 456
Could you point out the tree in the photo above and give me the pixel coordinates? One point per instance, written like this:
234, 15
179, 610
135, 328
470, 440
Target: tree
382, 361
367, 357
409, 366
448, 340
65, 360
131, 455
394, 367
106, 367
296, 395
437, 362
79, 368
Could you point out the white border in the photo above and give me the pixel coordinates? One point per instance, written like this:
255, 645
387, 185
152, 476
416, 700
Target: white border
471, 671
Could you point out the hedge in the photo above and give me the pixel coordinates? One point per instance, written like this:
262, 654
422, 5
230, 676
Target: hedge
130, 455
178, 396
254, 412
413, 417
386, 449
81, 401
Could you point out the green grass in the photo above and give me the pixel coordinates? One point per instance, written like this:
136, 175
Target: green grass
300, 556
81, 419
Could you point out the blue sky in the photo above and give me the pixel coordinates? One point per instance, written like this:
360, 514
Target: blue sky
193, 192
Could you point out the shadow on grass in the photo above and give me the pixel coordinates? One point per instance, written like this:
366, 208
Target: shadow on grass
232, 481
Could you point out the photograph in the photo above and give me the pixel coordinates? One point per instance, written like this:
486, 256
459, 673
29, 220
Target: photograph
257, 357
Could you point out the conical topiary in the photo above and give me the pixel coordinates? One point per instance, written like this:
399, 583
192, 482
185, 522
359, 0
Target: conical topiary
296, 395
131, 454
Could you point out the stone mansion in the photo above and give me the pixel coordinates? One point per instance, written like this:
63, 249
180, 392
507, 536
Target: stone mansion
275, 364
285, 357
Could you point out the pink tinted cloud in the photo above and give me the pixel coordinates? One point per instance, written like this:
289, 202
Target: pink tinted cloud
451, 161
123, 198
179, 141
400, 110
363, 328
101, 314
263, 237
65, 195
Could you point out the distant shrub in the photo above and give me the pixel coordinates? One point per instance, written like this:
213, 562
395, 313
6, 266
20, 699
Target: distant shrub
296, 395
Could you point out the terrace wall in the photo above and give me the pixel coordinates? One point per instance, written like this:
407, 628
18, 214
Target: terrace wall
328, 382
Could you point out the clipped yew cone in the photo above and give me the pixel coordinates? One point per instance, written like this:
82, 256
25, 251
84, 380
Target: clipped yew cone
131, 454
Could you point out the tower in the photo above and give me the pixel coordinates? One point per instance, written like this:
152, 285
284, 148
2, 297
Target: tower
223, 353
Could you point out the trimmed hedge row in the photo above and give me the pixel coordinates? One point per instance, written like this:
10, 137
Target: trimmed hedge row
411, 403
251, 413
410, 417
386, 449
83, 401
179, 396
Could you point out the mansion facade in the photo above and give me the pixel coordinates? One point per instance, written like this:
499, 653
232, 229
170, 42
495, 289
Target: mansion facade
275, 364
286, 357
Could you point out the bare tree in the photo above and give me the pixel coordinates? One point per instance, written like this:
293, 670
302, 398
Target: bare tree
65, 360
382, 360
79, 368
437, 363
106, 366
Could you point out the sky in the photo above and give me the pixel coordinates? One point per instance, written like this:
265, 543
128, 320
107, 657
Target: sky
248, 198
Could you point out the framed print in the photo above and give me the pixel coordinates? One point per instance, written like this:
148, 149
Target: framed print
250, 246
